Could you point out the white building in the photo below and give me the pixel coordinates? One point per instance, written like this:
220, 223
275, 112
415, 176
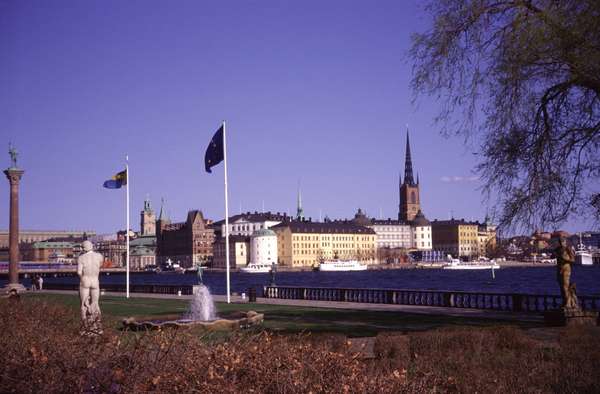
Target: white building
263, 247
247, 223
392, 234
421, 230
415, 234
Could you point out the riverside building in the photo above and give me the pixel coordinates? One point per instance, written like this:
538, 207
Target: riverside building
247, 223
302, 243
393, 234
263, 247
186, 243
457, 237
239, 252
31, 236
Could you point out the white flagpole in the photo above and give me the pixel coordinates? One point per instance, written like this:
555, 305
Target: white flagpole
226, 216
127, 228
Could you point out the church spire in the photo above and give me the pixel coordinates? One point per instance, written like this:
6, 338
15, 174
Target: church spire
162, 205
299, 211
408, 172
399, 195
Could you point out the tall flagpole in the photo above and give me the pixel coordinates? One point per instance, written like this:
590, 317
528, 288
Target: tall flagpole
127, 228
226, 215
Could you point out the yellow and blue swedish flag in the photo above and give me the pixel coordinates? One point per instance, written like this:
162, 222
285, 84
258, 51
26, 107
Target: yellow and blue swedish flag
120, 179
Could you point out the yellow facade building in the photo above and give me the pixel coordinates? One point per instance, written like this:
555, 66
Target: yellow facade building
306, 244
486, 237
457, 237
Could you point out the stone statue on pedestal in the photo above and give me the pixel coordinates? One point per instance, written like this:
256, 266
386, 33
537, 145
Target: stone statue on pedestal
570, 314
88, 269
565, 257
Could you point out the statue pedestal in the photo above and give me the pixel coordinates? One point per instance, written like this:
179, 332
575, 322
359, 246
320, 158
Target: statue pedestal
570, 317
13, 286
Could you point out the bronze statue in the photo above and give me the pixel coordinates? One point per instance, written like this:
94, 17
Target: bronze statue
13, 155
565, 257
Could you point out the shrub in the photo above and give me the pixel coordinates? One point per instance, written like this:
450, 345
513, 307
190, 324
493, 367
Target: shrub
43, 351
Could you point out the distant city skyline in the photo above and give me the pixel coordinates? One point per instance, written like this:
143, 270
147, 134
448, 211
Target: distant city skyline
316, 93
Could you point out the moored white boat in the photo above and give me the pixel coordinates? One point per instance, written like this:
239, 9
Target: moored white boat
582, 255
256, 268
342, 265
456, 264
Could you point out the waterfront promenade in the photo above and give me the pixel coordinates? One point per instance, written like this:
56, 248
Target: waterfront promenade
401, 309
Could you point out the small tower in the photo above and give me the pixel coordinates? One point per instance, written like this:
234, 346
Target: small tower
147, 219
409, 190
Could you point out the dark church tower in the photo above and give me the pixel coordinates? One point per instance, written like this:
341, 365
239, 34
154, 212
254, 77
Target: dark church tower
409, 190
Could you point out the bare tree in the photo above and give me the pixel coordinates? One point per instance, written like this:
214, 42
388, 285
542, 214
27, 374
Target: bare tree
521, 78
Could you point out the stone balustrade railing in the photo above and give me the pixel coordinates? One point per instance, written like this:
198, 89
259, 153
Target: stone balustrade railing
133, 288
452, 299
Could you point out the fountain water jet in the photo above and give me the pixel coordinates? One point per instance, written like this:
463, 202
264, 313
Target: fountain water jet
201, 313
202, 307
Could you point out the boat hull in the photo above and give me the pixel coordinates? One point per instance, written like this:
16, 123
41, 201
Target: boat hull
337, 266
256, 269
471, 267
583, 259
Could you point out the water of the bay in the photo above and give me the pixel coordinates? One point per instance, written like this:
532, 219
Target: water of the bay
526, 280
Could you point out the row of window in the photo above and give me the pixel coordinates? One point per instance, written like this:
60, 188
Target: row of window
246, 227
332, 237
394, 236
300, 245
384, 229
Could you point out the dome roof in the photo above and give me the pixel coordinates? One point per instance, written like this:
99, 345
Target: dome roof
264, 232
420, 220
361, 218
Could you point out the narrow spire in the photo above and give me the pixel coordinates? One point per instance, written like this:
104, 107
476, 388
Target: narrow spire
417, 178
399, 195
299, 210
162, 205
408, 172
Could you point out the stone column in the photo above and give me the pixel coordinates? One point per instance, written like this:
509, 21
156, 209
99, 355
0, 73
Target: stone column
14, 176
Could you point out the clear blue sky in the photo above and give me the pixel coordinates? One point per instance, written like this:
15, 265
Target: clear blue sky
312, 91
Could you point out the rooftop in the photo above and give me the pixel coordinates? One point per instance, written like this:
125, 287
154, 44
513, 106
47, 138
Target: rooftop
335, 227
53, 245
454, 222
255, 217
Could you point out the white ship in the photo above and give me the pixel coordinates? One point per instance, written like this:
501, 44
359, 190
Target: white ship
582, 255
482, 264
256, 268
342, 265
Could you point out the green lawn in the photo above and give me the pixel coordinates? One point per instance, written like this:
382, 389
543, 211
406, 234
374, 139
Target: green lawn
281, 318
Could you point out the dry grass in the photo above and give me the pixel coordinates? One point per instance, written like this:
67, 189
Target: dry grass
43, 351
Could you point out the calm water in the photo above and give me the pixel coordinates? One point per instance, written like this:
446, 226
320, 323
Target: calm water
535, 280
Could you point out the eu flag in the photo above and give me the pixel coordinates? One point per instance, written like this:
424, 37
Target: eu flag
120, 179
214, 152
